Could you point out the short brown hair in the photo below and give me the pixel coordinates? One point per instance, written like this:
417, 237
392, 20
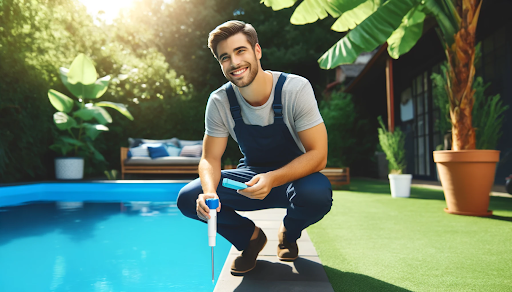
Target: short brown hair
228, 29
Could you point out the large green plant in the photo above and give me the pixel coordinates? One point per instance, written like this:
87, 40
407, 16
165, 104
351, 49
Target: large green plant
78, 124
399, 23
393, 144
487, 111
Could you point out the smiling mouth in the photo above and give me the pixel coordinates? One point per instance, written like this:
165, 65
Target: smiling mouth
238, 72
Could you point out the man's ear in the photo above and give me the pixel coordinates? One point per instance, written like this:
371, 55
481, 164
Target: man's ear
257, 51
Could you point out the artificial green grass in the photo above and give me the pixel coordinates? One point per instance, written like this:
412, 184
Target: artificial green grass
370, 241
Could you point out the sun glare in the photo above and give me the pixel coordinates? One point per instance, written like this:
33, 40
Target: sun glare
110, 8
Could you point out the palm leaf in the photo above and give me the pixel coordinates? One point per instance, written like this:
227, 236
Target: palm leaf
407, 34
351, 18
312, 10
278, 4
372, 32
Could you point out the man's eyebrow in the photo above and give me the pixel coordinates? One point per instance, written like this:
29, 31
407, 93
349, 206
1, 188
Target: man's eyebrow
234, 50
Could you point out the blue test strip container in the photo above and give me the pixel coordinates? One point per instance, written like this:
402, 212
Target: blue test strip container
233, 184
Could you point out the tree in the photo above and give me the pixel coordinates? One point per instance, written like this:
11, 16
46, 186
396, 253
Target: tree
400, 24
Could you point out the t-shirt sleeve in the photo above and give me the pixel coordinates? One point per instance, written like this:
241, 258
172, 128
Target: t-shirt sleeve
214, 125
306, 113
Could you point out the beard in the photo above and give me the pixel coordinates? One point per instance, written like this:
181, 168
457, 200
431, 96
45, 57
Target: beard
247, 78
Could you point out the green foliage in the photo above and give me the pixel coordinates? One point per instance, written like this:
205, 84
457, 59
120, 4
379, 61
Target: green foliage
347, 132
372, 23
393, 144
440, 96
111, 174
36, 38
488, 111
487, 116
80, 79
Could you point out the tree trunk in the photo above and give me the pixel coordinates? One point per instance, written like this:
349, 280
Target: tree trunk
461, 57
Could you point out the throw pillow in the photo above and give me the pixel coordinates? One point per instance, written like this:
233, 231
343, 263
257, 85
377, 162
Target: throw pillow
192, 151
184, 143
140, 151
134, 142
159, 151
173, 150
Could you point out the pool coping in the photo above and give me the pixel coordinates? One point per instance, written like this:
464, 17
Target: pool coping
91, 190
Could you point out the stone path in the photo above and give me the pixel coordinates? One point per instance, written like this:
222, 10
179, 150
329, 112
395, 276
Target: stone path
303, 275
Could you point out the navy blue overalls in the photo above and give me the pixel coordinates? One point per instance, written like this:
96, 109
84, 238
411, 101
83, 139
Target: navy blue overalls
265, 148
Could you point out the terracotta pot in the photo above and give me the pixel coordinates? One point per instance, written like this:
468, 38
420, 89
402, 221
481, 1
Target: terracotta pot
467, 177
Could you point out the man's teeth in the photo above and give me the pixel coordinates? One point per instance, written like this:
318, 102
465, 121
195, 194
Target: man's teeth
239, 71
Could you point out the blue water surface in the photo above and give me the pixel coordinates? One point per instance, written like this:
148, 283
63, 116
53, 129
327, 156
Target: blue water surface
105, 246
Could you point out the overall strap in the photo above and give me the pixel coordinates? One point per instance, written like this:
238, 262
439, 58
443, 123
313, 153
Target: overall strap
277, 106
233, 103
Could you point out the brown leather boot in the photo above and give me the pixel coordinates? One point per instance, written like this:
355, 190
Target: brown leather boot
247, 260
286, 251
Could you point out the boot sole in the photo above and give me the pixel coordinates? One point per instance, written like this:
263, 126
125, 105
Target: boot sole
288, 259
241, 273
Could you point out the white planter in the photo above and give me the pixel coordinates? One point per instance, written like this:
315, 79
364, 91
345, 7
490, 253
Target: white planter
400, 185
69, 168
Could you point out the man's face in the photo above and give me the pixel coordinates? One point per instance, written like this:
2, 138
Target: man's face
239, 62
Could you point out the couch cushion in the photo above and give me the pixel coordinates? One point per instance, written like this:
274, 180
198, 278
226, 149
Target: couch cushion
192, 151
134, 142
184, 143
158, 151
173, 150
140, 151
168, 160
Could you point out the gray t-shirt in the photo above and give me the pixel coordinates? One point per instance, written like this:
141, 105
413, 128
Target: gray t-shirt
300, 109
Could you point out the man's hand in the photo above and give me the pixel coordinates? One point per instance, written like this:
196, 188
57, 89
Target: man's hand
259, 186
203, 212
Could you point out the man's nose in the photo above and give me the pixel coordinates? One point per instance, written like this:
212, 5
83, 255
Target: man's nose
235, 61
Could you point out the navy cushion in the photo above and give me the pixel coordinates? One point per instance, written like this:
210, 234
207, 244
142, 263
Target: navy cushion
159, 151
192, 151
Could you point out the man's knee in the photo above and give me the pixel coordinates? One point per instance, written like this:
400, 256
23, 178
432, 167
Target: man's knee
314, 191
187, 197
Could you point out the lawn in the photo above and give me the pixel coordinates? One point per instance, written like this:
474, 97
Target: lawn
370, 241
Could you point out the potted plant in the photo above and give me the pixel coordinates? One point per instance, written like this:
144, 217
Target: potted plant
467, 170
80, 120
393, 145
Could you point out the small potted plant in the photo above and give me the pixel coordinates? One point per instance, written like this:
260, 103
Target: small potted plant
393, 145
80, 121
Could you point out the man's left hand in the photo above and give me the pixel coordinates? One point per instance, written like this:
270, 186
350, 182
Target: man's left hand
259, 186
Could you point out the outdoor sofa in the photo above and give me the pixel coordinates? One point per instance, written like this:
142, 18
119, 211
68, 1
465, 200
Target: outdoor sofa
161, 156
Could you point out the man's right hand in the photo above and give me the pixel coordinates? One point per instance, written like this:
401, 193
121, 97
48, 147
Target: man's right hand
203, 212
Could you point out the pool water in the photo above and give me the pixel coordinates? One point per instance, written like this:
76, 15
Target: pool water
107, 246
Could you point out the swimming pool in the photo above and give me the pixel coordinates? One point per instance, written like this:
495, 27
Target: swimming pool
116, 237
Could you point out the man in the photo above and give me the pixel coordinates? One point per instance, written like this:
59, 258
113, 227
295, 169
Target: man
275, 120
